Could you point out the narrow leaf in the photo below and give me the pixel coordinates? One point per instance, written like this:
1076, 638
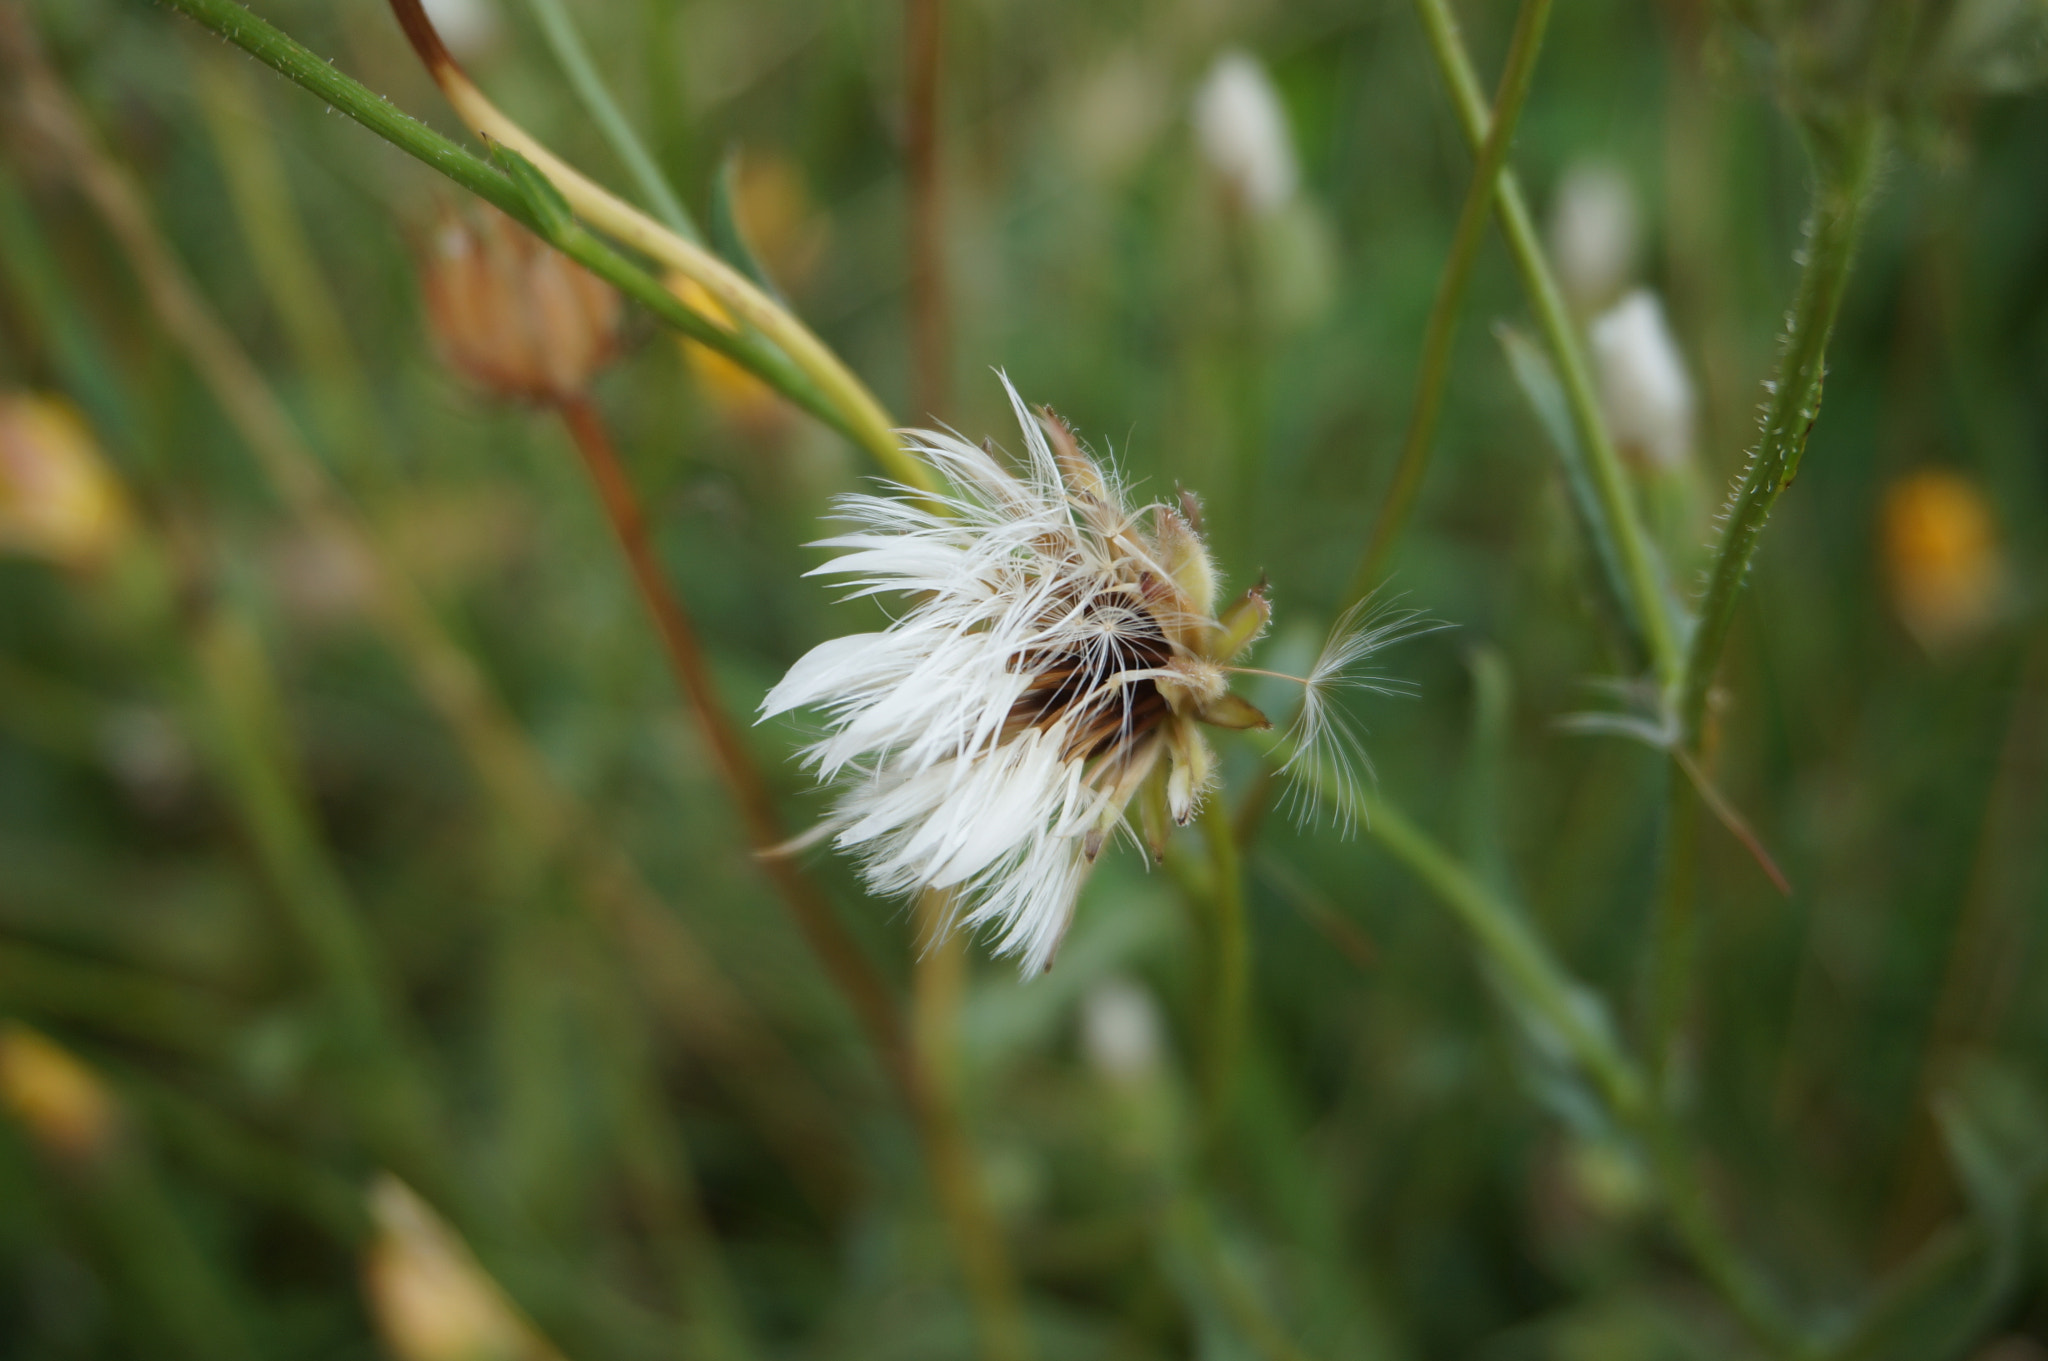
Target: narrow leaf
552, 216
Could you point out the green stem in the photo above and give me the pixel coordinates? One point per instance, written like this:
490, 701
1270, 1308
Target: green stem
1232, 961
1526, 968
240, 713
1672, 930
286, 262
416, 139
1846, 174
1538, 985
113, 999
1845, 171
1442, 328
1532, 974
567, 45
1190, 1221
1651, 607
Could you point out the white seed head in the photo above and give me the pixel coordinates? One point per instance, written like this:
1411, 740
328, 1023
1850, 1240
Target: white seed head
1593, 234
1055, 651
1242, 129
1644, 389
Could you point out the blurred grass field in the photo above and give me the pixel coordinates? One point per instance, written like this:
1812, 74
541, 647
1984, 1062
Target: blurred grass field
305, 937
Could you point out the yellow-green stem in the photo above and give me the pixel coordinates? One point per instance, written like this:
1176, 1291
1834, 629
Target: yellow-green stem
1654, 615
1230, 974
1442, 329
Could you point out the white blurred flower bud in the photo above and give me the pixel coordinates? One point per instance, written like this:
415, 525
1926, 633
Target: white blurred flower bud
148, 754
469, 27
430, 1298
1593, 234
1120, 1030
1116, 111
1644, 389
1243, 132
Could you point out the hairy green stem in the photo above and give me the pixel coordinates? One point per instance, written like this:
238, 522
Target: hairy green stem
1442, 328
1846, 173
1652, 611
567, 45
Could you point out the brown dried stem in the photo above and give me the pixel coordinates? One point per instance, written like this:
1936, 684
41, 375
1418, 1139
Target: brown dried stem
835, 948
930, 328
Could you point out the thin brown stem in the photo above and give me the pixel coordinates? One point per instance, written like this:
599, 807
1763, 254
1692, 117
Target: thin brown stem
930, 321
916, 1061
941, 986
940, 972
841, 956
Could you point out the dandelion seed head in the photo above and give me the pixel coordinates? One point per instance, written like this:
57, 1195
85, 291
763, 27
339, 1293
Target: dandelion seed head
1056, 651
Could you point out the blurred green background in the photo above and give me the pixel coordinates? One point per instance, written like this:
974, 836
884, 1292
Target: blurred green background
253, 881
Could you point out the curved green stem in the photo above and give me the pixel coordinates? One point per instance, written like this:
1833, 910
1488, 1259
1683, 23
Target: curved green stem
1653, 613
1442, 328
773, 364
1569, 1015
567, 45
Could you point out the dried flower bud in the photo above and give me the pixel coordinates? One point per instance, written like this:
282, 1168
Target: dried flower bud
739, 397
1593, 235
1242, 129
65, 1108
430, 1298
1644, 389
58, 499
1941, 558
514, 316
1120, 1030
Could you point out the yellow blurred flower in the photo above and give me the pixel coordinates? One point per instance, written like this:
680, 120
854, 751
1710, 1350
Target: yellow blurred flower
740, 399
782, 226
429, 1297
64, 1107
58, 499
1941, 557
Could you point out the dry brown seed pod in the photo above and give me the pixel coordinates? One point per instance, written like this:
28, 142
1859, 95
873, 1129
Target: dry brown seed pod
512, 315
